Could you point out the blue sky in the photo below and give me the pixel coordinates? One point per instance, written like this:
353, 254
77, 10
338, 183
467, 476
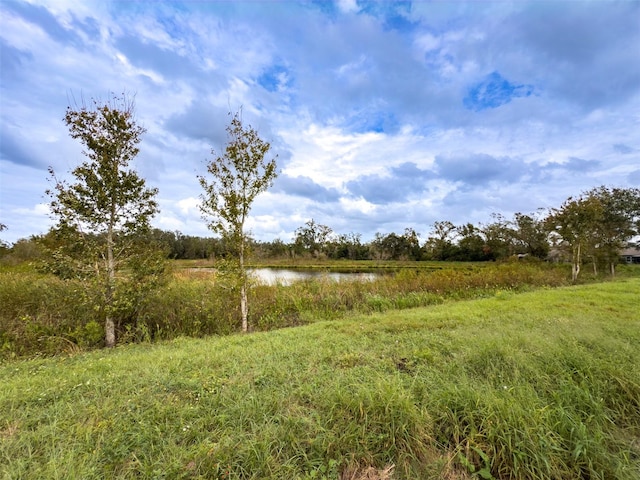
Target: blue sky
384, 115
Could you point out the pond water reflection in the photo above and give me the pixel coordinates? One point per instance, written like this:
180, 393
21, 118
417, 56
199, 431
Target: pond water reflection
283, 276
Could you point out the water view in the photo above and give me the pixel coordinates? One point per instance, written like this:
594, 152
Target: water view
283, 276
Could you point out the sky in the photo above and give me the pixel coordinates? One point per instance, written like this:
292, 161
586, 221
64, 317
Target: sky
383, 115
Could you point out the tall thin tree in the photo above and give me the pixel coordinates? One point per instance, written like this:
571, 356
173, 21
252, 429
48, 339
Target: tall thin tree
237, 177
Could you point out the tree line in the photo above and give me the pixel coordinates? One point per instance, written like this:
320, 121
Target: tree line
593, 227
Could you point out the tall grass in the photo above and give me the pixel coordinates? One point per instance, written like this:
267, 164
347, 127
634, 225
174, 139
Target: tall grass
45, 315
540, 385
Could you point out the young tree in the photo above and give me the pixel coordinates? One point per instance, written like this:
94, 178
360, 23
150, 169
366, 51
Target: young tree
103, 216
238, 176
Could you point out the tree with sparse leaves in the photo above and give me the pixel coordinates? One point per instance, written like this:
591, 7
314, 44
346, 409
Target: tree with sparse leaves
103, 215
237, 177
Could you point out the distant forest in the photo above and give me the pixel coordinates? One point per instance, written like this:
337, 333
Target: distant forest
594, 226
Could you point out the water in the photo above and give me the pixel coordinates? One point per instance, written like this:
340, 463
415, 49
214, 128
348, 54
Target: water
283, 276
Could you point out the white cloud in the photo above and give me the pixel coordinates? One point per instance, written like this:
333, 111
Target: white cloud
189, 206
359, 205
348, 6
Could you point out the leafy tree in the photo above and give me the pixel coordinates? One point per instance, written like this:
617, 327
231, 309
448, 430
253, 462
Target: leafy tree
397, 247
599, 223
619, 222
26, 250
312, 238
573, 226
274, 249
498, 237
440, 245
412, 244
386, 247
349, 246
530, 235
238, 176
471, 246
103, 216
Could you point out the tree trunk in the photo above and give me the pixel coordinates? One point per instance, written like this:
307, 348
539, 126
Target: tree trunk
109, 324
575, 270
243, 304
110, 332
243, 287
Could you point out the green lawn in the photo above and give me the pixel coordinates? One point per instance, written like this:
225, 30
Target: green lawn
543, 384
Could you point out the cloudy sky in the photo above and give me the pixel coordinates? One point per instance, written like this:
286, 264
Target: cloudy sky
384, 115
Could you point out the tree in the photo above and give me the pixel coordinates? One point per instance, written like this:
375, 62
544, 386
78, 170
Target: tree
530, 235
472, 247
412, 244
349, 246
312, 238
498, 237
397, 247
238, 176
3, 244
619, 222
599, 223
103, 217
573, 226
439, 245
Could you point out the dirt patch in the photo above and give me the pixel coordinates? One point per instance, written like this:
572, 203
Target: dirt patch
9, 431
368, 473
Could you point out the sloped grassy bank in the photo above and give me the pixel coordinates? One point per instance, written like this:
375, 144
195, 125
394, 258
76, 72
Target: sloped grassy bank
543, 384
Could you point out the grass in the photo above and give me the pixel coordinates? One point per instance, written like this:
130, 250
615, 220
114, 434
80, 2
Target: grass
541, 384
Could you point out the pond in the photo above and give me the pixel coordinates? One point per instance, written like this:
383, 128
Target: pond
283, 276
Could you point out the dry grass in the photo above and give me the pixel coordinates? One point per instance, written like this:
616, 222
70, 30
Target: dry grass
368, 473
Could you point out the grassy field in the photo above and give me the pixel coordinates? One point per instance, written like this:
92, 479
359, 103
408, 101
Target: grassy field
541, 384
